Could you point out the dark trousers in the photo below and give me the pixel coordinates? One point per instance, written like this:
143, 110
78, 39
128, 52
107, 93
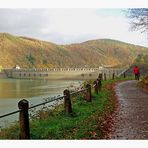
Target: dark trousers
137, 76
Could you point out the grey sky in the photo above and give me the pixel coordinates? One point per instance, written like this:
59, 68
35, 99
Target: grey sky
29, 22
71, 25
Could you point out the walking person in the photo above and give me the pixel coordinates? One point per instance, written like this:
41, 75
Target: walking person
136, 72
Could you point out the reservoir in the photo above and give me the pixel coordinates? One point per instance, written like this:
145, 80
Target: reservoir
35, 91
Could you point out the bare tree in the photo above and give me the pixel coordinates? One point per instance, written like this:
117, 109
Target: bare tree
139, 19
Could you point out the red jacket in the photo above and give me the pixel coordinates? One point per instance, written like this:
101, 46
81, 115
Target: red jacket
136, 70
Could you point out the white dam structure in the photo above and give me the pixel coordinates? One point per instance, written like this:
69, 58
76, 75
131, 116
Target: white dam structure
60, 73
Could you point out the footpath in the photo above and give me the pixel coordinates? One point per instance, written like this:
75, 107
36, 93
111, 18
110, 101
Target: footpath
131, 117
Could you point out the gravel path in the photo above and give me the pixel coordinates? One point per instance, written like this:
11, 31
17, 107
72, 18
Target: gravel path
131, 120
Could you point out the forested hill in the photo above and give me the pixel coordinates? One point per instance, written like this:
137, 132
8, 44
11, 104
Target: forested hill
28, 53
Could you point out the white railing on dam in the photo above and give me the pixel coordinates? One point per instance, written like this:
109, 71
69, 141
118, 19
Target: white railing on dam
62, 73
54, 69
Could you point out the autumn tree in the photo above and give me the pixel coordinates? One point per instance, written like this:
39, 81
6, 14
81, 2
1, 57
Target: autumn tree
31, 59
139, 19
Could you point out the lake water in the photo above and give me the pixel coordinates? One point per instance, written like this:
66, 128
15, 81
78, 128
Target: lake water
13, 90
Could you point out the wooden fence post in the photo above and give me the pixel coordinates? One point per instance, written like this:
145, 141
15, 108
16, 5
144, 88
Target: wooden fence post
67, 102
124, 75
100, 85
113, 76
24, 119
88, 93
96, 86
100, 76
105, 76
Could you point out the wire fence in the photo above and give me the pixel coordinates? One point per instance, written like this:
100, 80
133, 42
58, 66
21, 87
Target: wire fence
24, 107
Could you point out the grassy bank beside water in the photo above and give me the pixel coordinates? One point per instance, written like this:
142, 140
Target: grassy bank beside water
89, 120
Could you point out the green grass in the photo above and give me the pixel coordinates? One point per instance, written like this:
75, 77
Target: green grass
84, 123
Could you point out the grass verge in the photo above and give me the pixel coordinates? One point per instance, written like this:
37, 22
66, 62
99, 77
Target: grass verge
89, 120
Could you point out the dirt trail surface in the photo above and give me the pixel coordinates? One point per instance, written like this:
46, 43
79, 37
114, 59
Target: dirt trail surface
131, 118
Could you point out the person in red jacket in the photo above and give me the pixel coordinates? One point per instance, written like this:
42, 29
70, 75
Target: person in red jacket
136, 72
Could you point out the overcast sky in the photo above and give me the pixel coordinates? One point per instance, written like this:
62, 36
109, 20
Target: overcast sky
69, 25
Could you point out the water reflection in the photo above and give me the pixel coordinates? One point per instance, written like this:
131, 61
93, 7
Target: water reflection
16, 88
13, 90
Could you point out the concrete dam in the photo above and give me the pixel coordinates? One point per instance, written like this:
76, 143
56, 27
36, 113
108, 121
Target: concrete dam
59, 73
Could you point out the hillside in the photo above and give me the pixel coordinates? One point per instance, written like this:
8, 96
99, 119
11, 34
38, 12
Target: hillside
28, 52
142, 62
108, 52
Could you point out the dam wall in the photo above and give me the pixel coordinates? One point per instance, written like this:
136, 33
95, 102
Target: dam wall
61, 73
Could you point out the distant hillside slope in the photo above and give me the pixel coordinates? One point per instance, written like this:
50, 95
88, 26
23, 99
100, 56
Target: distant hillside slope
142, 62
28, 52
106, 51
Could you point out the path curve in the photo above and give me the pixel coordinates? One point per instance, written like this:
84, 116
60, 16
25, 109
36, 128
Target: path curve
131, 121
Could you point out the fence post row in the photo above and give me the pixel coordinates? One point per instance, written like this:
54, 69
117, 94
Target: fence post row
88, 93
23, 105
67, 102
24, 119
